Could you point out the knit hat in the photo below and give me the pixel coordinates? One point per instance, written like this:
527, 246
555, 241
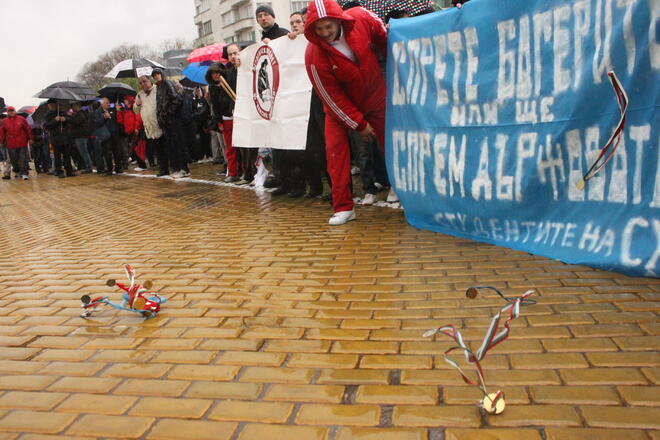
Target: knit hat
265, 8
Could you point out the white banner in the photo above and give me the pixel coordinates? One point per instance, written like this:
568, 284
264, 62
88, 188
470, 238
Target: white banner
273, 96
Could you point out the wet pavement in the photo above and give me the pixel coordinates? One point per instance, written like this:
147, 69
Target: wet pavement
279, 326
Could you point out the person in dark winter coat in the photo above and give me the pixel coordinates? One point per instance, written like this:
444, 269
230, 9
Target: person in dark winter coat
202, 116
266, 19
57, 123
213, 97
101, 122
270, 31
168, 107
16, 134
79, 131
40, 150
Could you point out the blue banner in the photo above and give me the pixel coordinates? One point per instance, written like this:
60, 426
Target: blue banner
497, 110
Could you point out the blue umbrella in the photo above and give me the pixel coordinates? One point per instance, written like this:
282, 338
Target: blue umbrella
196, 72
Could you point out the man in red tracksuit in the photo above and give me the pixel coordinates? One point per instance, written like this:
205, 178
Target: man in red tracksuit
16, 134
345, 72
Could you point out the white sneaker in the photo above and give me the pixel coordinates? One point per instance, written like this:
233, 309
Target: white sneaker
392, 197
355, 171
177, 174
339, 218
138, 169
369, 199
378, 186
185, 173
25, 177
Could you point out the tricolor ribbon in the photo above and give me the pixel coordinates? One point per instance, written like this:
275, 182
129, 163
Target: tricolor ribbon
493, 337
607, 152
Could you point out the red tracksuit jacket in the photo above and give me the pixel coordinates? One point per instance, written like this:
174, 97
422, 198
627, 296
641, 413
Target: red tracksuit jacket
15, 131
348, 89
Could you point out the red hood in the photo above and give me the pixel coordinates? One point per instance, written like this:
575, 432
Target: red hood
319, 9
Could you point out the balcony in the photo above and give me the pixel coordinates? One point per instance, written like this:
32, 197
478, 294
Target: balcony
235, 3
244, 23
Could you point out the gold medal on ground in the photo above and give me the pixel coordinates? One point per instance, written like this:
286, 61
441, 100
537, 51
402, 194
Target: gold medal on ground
493, 405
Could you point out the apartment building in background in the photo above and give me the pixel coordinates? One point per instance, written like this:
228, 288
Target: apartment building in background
232, 21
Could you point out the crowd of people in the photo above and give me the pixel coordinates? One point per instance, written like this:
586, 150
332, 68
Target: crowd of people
166, 126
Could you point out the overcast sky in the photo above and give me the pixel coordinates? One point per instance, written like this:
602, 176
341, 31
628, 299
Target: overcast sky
45, 41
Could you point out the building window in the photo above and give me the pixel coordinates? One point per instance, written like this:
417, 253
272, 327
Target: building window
206, 29
230, 39
228, 18
297, 6
202, 6
244, 12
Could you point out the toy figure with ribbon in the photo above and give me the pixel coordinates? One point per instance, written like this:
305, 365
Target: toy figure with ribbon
493, 403
137, 298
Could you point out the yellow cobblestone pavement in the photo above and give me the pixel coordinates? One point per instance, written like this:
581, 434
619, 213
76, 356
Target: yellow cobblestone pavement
278, 326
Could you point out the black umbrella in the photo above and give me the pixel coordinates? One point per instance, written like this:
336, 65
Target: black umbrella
133, 68
187, 82
173, 71
115, 91
67, 90
39, 115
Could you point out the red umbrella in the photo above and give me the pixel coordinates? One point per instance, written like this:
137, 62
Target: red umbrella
27, 110
207, 53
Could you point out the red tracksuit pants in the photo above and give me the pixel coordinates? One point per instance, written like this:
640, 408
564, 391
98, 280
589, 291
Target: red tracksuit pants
230, 152
338, 154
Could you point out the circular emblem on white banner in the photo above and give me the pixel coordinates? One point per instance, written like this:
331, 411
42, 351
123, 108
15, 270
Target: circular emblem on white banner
265, 81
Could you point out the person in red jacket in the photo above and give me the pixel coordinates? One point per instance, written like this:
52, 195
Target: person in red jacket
345, 72
131, 123
17, 135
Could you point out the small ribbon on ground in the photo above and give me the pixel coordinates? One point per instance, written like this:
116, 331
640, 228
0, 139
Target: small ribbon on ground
494, 336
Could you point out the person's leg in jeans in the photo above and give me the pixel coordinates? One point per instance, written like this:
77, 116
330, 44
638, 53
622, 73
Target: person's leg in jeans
161, 153
99, 156
365, 160
277, 156
14, 160
173, 142
35, 153
23, 163
57, 155
107, 155
118, 153
151, 152
45, 157
66, 158
249, 158
81, 146
217, 147
296, 175
380, 166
